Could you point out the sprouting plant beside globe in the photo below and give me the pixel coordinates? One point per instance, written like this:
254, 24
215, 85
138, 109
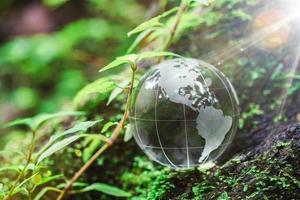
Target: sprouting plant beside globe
183, 112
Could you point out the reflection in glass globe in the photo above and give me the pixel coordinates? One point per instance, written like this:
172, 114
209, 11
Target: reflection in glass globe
184, 113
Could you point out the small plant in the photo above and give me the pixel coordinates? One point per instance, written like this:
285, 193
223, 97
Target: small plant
159, 33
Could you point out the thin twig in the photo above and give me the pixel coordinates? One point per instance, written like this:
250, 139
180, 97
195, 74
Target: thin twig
112, 140
182, 8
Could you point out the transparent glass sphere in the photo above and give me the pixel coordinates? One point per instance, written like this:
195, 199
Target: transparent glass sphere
184, 113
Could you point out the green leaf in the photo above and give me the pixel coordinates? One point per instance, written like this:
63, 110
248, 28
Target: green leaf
128, 59
135, 58
152, 54
35, 122
107, 189
128, 133
54, 3
75, 185
117, 91
26, 122
8, 152
58, 146
154, 22
113, 64
48, 179
21, 190
99, 90
82, 126
42, 193
20, 187
203, 2
89, 150
107, 126
189, 21
10, 168
139, 39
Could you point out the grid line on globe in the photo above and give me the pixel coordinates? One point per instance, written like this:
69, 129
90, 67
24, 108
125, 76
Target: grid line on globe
184, 113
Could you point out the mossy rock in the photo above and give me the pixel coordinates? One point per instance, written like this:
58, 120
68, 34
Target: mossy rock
270, 170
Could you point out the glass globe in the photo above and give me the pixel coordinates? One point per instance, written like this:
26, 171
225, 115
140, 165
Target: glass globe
184, 113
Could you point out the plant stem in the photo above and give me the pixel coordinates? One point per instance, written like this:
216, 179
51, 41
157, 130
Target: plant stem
182, 8
53, 189
22, 173
111, 141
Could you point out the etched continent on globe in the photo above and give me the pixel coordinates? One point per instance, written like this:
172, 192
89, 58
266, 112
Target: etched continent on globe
184, 113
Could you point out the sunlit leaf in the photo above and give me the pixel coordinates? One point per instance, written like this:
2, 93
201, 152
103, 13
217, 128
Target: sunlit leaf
26, 122
152, 54
128, 133
135, 58
202, 2
8, 152
58, 146
48, 179
75, 185
98, 90
154, 22
90, 149
9, 168
52, 147
54, 3
35, 122
107, 126
117, 91
113, 64
139, 39
81, 126
20, 187
127, 59
21, 190
107, 189
42, 193
188, 21
148, 24
110, 8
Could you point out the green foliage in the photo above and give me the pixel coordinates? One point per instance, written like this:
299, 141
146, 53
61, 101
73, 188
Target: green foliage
58, 146
107, 189
53, 145
154, 30
117, 91
107, 126
54, 3
35, 122
43, 49
132, 59
63, 57
152, 23
98, 90
254, 110
128, 133
120, 9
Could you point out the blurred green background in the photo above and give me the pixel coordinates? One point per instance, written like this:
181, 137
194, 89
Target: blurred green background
51, 48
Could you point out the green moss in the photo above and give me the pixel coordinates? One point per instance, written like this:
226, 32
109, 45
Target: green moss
259, 176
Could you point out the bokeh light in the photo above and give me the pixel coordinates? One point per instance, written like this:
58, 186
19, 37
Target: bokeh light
280, 36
